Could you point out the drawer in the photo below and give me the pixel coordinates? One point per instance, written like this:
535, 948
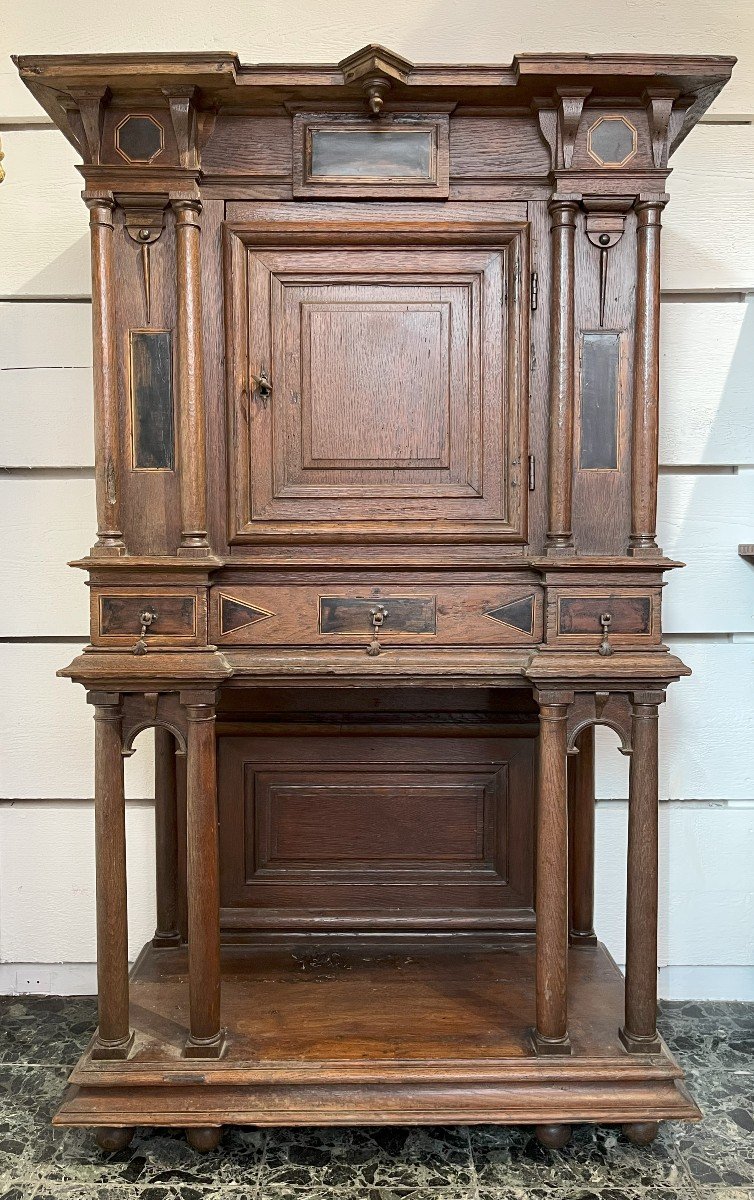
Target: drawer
307, 615
178, 617
575, 617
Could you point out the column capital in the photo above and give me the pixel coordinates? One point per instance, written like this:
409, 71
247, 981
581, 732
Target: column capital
553, 697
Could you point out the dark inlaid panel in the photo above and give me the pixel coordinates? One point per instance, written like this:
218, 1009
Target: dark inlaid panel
139, 138
371, 153
122, 614
582, 614
405, 614
600, 357
152, 400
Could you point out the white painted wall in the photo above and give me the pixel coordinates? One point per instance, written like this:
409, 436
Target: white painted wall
706, 495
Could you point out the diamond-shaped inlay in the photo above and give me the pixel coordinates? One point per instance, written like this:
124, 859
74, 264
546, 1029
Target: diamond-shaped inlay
139, 139
518, 614
236, 614
611, 141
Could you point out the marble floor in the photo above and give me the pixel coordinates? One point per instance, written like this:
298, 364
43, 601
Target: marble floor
40, 1038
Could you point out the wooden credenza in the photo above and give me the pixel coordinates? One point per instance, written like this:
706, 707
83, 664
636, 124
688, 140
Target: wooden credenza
376, 386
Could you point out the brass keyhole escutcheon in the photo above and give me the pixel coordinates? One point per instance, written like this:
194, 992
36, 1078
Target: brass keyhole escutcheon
147, 618
379, 615
605, 647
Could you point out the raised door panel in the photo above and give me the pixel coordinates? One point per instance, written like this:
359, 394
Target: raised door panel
394, 831
395, 407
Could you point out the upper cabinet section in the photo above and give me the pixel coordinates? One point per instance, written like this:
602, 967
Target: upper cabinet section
378, 376
586, 124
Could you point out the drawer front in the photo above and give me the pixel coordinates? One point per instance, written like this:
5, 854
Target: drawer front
575, 618
306, 615
177, 618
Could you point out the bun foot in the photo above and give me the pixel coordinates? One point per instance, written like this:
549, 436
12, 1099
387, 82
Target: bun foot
203, 1138
553, 1137
641, 1133
112, 1138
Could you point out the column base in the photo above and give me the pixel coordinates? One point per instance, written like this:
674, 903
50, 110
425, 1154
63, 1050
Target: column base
560, 550
644, 548
209, 1048
635, 1044
113, 549
582, 937
106, 1051
199, 549
545, 1045
161, 940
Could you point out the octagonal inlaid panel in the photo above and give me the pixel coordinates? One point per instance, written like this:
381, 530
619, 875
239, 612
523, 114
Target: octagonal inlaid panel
611, 141
139, 139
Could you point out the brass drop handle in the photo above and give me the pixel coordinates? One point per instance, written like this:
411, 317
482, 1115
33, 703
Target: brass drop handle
263, 385
147, 618
379, 615
605, 648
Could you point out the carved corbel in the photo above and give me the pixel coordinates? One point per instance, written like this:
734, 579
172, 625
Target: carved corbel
89, 104
559, 117
569, 115
605, 224
184, 120
659, 105
144, 220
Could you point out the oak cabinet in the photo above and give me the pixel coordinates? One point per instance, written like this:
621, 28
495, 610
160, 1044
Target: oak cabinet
376, 358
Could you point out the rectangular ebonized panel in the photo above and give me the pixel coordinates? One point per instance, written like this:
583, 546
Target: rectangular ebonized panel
344, 154
404, 614
152, 400
121, 614
628, 614
371, 153
600, 356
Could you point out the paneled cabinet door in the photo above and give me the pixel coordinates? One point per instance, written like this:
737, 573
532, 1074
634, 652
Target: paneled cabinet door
382, 385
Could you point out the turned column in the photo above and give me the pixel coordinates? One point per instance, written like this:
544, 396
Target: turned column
190, 379
114, 1037
581, 839
551, 1032
560, 466
206, 1039
639, 1033
166, 838
110, 541
646, 382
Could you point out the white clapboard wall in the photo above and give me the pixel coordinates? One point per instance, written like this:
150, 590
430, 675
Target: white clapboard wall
706, 490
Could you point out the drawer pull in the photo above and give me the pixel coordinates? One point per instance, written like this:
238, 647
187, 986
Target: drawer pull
379, 615
605, 647
147, 618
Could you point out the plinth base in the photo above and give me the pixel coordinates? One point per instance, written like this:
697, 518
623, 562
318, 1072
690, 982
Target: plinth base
400, 1034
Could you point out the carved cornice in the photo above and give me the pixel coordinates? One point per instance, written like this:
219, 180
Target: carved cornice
72, 89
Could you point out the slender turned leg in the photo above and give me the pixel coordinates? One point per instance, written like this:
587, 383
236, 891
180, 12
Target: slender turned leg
581, 840
206, 1038
551, 1033
166, 838
639, 1033
114, 1037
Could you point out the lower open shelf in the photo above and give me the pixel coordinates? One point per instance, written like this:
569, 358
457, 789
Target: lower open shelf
321, 1034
